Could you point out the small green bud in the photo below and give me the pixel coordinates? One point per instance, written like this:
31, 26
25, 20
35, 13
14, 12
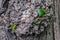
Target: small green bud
13, 26
41, 12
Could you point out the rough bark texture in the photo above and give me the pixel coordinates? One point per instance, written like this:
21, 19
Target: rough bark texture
23, 13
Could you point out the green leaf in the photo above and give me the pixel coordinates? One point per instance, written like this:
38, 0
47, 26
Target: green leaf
36, 23
13, 26
41, 12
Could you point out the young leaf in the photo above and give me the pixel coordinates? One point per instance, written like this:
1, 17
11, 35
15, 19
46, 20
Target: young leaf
13, 26
41, 12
